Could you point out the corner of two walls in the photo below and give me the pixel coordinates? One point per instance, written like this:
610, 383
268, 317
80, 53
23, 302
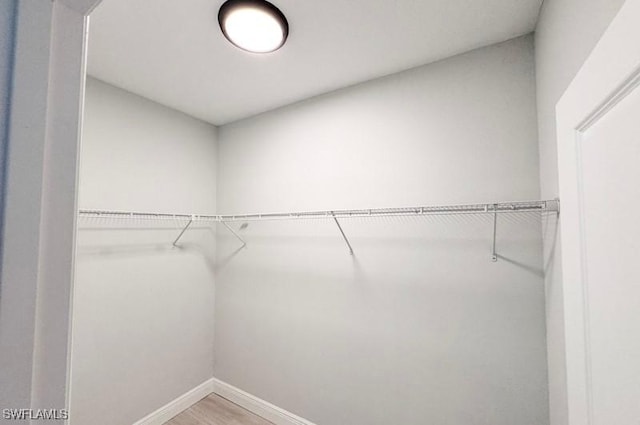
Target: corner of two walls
567, 32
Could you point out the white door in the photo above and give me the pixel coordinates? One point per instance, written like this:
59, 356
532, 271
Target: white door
599, 163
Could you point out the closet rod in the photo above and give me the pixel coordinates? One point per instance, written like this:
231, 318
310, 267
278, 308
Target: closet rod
488, 208
552, 206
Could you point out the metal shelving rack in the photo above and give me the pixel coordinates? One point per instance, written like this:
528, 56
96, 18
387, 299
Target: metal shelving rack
494, 209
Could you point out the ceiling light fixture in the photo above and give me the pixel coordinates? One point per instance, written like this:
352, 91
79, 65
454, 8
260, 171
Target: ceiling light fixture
256, 26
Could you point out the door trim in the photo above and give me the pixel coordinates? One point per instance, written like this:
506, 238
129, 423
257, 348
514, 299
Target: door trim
611, 72
38, 241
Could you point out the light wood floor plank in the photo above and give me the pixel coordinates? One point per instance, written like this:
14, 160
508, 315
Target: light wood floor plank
215, 410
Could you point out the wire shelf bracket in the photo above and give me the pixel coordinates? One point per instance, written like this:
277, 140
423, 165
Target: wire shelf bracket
175, 242
244, 244
342, 233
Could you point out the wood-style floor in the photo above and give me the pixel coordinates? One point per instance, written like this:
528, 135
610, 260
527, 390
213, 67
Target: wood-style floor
215, 410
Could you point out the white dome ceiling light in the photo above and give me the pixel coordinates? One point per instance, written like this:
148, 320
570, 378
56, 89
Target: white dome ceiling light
256, 26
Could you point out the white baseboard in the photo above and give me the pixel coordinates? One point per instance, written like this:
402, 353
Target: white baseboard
243, 399
178, 405
256, 405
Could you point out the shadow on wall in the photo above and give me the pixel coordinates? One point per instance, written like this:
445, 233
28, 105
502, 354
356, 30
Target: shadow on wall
130, 240
426, 232
122, 239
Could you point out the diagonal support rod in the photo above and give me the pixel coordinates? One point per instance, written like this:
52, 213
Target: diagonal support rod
494, 254
342, 232
175, 243
234, 233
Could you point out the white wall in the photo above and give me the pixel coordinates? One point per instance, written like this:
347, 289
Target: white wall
567, 32
420, 326
143, 311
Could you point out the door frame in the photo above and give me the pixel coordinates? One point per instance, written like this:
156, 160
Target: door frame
611, 72
39, 205
41, 196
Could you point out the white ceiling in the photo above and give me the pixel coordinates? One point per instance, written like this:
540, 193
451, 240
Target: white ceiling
173, 52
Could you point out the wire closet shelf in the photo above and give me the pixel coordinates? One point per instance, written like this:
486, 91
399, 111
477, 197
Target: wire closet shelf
496, 208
